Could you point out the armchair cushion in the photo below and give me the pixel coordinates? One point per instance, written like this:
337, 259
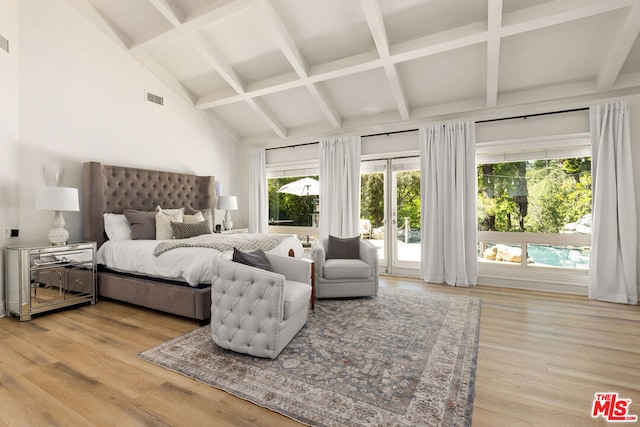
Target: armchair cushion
256, 258
346, 269
343, 247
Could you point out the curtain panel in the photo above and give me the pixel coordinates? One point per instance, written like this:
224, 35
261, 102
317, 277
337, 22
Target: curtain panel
340, 186
614, 246
258, 194
448, 187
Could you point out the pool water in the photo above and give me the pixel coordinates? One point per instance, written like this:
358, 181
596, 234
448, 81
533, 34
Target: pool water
559, 256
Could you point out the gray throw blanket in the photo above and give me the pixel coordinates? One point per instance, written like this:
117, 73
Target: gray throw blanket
224, 242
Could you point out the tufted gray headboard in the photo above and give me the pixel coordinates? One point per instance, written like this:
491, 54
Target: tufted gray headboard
111, 189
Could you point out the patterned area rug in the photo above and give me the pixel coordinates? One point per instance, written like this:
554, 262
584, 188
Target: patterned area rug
402, 359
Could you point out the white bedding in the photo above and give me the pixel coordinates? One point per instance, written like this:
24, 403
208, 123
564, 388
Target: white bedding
192, 265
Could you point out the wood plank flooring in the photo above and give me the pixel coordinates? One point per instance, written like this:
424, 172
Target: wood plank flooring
541, 359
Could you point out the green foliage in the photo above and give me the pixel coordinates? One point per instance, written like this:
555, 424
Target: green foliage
533, 196
408, 201
539, 196
283, 206
372, 198
408, 197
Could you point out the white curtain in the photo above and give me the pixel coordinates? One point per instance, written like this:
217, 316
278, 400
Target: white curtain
614, 248
340, 186
258, 203
448, 194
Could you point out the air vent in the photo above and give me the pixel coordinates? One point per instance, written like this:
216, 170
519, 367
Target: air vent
156, 99
4, 44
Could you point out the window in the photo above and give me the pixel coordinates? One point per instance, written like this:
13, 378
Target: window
537, 207
294, 207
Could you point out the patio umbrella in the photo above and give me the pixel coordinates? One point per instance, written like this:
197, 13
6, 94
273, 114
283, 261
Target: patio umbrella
302, 187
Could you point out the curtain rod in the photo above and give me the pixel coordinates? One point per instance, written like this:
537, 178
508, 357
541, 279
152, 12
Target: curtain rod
524, 116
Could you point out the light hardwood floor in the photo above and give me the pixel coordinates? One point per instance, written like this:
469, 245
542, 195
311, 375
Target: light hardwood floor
541, 359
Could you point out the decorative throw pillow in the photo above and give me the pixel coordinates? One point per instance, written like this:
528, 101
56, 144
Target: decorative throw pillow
117, 227
192, 219
169, 211
143, 224
183, 230
206, 213
256, 258
163, 224
343, 247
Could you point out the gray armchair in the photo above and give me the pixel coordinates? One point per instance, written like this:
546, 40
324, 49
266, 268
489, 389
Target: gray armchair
255, 311
337, 278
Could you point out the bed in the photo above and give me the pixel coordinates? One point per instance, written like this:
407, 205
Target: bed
112, 190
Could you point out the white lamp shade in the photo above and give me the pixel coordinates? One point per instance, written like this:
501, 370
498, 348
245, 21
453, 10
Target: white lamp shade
228, 202
58, 199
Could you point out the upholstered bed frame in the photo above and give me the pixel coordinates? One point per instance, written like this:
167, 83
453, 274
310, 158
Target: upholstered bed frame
111, 189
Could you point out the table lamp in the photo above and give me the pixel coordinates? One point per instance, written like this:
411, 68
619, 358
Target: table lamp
58, 199
229, 203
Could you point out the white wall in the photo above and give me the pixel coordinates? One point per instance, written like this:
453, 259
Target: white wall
68, 95
82, 98
9, 130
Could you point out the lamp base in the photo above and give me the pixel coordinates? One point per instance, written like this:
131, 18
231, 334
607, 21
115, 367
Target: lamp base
58, 235
227, 223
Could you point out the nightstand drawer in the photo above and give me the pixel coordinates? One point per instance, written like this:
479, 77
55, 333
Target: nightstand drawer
79, 280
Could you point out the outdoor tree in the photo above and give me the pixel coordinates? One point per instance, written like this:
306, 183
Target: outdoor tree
408, 197
537, 196
372, 198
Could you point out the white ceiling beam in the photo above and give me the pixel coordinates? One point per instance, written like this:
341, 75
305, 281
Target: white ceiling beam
217, 62
358, 63
282, 37
445, 41
103, 24
541, 94
467, 35
217, 10
375, 20
625, 39
287, 45
222, 67
373, 15
322, 100
253, 90
170, 10
397, 90
493, 51
259, 107
529, 19
557, 12
627, 80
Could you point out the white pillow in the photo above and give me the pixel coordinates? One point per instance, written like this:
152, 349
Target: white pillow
168, 211
163, 223
117, 227
192, 219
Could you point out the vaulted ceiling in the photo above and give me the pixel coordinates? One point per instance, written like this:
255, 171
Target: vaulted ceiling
267, 70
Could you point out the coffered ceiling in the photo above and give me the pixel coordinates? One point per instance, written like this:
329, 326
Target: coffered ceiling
267, 70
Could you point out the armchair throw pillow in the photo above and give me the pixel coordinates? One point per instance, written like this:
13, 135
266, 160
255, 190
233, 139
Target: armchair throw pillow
256, 258
343, 247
